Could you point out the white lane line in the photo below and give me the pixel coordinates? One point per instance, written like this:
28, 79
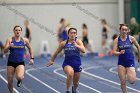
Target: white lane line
55, 71
2, 70
104, 82
113, 68
107, 80
22, 84
6, 80
27, 72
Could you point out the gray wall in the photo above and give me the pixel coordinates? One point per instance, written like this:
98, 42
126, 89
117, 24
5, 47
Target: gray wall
44, 16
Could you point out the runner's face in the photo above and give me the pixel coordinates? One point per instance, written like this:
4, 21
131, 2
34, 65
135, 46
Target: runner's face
17, 31
124, 30
72, 34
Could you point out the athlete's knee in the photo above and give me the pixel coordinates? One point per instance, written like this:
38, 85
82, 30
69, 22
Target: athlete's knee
70, 74
10, 79
132, 80
20, 77
123, 82
76, 83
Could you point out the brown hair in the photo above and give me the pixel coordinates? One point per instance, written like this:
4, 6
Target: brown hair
72, 29
17, 26
123, 25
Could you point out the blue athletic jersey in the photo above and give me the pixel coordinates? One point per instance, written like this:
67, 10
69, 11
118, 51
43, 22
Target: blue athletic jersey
126, 59
72, 55
17, 51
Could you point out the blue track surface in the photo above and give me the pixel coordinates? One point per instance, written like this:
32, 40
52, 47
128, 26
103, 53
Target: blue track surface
98, 76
